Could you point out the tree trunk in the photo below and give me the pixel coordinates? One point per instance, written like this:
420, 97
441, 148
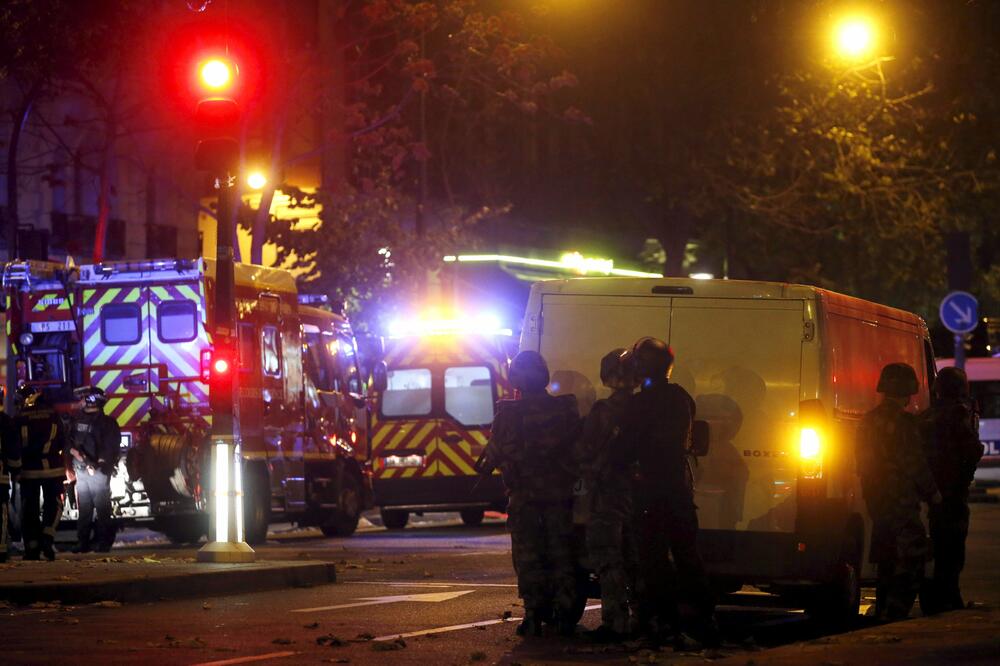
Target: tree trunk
20, 119
675, 232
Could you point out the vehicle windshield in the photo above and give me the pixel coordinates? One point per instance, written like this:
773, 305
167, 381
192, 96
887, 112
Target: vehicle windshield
408, 393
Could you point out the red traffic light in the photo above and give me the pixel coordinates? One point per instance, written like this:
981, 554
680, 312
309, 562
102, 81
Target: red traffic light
220, 366
216, 74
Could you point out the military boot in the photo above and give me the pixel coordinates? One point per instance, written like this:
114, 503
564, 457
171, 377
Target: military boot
531, 625
48, 549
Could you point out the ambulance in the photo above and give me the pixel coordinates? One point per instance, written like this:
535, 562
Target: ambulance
984, 383
140, 331
782, 373
431, 422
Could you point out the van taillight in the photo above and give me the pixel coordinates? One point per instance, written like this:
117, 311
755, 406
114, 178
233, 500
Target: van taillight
206, 364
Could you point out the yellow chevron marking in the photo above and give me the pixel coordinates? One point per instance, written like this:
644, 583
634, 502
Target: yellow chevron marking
389, 473
380, 432
161, 293
64, 305
443, 470
189, 293
133, 295
409, 472
420, 436
130, 411
454, 457
108, 377
404, 433
112, 405
105, 354
108, 295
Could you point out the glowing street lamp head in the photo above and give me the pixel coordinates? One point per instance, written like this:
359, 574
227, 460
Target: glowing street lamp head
215, 74
854, 37
256, 180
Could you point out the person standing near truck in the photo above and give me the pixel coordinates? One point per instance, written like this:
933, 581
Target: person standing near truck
657, 435
950, 431
94, 441
40, 435
531, 442
894, 479
607, 493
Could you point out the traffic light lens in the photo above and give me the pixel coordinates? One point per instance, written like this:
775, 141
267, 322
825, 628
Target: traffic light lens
215, 74
220, 366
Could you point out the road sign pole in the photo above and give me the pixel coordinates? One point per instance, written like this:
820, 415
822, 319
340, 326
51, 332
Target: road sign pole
960, 351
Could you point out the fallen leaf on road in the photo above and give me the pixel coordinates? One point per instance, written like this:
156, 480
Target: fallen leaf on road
389, 646
206, 606
330, 640
282, 641
107, 604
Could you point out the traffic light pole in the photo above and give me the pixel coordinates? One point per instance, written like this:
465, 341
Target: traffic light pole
226, 529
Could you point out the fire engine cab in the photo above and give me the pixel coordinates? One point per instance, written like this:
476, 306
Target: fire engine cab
432, 420
140, 332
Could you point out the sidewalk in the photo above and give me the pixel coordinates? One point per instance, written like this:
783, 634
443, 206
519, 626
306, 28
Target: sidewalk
149, 577
967, 636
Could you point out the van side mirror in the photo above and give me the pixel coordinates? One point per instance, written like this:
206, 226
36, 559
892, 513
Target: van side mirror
699, 438
380, 377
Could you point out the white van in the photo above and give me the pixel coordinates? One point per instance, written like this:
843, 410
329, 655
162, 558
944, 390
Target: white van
783, 373
984, 382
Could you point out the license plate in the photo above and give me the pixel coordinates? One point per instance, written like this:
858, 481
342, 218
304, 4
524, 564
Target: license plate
52, 327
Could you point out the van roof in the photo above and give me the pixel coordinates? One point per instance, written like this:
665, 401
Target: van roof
977, 369
687, 287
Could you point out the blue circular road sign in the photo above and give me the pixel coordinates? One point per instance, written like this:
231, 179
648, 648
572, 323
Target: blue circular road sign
959, 312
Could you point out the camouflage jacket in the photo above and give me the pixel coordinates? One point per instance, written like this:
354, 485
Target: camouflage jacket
10, 449
531, 441
596, 449
890, 461
950, 432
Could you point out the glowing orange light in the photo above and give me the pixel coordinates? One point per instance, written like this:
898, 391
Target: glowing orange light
215, 74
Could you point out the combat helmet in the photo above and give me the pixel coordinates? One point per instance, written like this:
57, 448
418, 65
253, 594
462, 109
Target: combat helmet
29, 397
528, 372
898, 379
951, 383
652, 358
93, 397
616, 368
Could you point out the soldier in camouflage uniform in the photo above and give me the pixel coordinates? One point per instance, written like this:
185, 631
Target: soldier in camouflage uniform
607, 491
894, 479
950, 431
531, 441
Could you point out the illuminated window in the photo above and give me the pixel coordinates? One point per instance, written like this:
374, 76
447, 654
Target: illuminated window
408, 393
177, 321
468, 395
270, 351
121, 324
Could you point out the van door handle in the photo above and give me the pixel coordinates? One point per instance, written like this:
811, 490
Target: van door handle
451, 438
135, 381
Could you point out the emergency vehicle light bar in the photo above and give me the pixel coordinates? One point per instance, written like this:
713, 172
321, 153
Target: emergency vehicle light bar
572, 262
482, 325
109, 268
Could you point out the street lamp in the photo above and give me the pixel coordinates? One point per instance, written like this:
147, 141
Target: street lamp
854, 37
256, 180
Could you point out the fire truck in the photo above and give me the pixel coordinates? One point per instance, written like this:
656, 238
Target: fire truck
431, 422
140, 331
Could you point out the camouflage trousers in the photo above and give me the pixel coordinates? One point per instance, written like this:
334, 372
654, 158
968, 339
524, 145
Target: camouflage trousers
541, 536
949, 524
899, 549
611, 547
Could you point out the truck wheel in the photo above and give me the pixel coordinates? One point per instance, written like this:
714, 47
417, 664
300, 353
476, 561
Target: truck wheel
343, 520
837, 603
256, 504
182, 529
394, 519
472, 517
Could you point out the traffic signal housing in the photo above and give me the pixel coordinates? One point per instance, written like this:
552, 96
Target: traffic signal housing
218, 367
217, 115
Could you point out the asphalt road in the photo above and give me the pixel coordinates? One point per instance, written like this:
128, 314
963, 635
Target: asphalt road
435, 593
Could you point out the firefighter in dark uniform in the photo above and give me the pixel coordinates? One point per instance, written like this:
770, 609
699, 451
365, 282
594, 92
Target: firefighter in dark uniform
94, 441
43, 471
894, 479
950, 429
657, 437
605, 487
531, 441
10, 467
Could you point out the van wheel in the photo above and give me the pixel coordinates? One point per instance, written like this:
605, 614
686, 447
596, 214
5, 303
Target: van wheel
343, 520
256, 504
837, 603
394, 519
473, 517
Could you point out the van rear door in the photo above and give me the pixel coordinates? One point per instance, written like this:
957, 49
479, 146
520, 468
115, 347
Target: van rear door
741, 360
578, 330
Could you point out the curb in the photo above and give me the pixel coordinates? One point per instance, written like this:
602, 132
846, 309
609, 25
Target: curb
203, 580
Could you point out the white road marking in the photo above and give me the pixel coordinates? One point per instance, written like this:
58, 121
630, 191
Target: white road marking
458, 627
246, 660
431, 597
389, 583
